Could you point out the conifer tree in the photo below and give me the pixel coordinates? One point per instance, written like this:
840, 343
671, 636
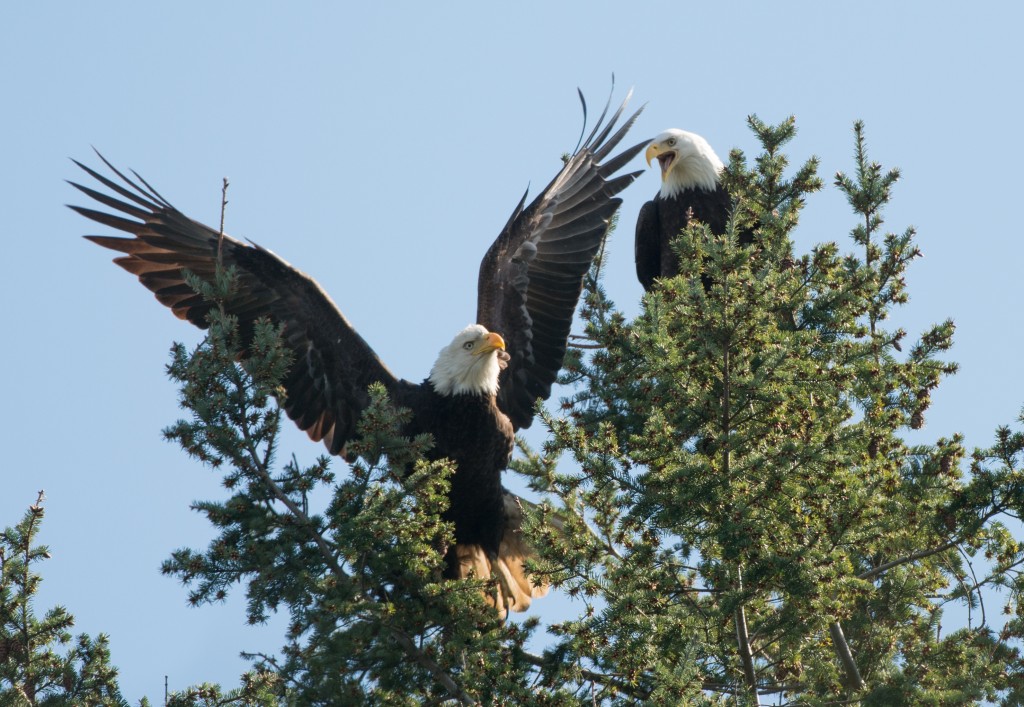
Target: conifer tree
41, 664
748, 520
258, 689
355, 562
740, 515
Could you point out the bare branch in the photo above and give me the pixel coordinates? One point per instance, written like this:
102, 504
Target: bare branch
223, 210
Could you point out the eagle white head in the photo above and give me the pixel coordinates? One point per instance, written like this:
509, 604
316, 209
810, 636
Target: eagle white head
687, 162
470, 364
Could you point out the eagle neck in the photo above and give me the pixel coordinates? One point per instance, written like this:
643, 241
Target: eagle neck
480, 379
461, 392
697, 171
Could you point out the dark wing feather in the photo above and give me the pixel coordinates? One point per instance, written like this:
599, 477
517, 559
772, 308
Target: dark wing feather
662, 219
647, 248
333, 366
714, 209
532, 275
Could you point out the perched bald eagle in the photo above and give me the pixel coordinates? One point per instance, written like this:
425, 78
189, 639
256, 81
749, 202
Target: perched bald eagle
690, 189
484, 384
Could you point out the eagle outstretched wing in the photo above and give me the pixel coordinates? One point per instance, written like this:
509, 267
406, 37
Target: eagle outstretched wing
333, 366
529, 284
532, 275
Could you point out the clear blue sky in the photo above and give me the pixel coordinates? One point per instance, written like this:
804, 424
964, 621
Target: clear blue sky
381, 148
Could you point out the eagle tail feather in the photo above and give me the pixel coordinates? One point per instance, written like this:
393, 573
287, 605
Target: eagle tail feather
514, 588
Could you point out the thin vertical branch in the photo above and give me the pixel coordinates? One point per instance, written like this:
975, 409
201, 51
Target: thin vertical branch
223, 210
37, 510
742, 635
743, 640
853, 679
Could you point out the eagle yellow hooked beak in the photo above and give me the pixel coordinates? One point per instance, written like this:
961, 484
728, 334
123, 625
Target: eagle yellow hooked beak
665, 157
494, 341
652, 152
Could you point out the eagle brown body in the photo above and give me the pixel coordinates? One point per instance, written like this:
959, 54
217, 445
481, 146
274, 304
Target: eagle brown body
480, 390
475, 434
663, 218
691, 190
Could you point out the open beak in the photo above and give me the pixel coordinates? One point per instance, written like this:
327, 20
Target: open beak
494, 341
665, 158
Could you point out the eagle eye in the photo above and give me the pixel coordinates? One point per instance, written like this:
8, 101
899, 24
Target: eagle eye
468, 345
671, 142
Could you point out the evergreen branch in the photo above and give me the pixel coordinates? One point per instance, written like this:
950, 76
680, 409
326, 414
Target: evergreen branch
802, 703
993, 579
594, 676
638, 693
853, 678
922, 554
260, 467
727, 428
293, 508
401, 638
746, 657
743, 639
439, 673
913, 557
970, 590
35, 513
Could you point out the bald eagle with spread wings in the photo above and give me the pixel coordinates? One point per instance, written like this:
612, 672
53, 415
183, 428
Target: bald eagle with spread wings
483, 386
